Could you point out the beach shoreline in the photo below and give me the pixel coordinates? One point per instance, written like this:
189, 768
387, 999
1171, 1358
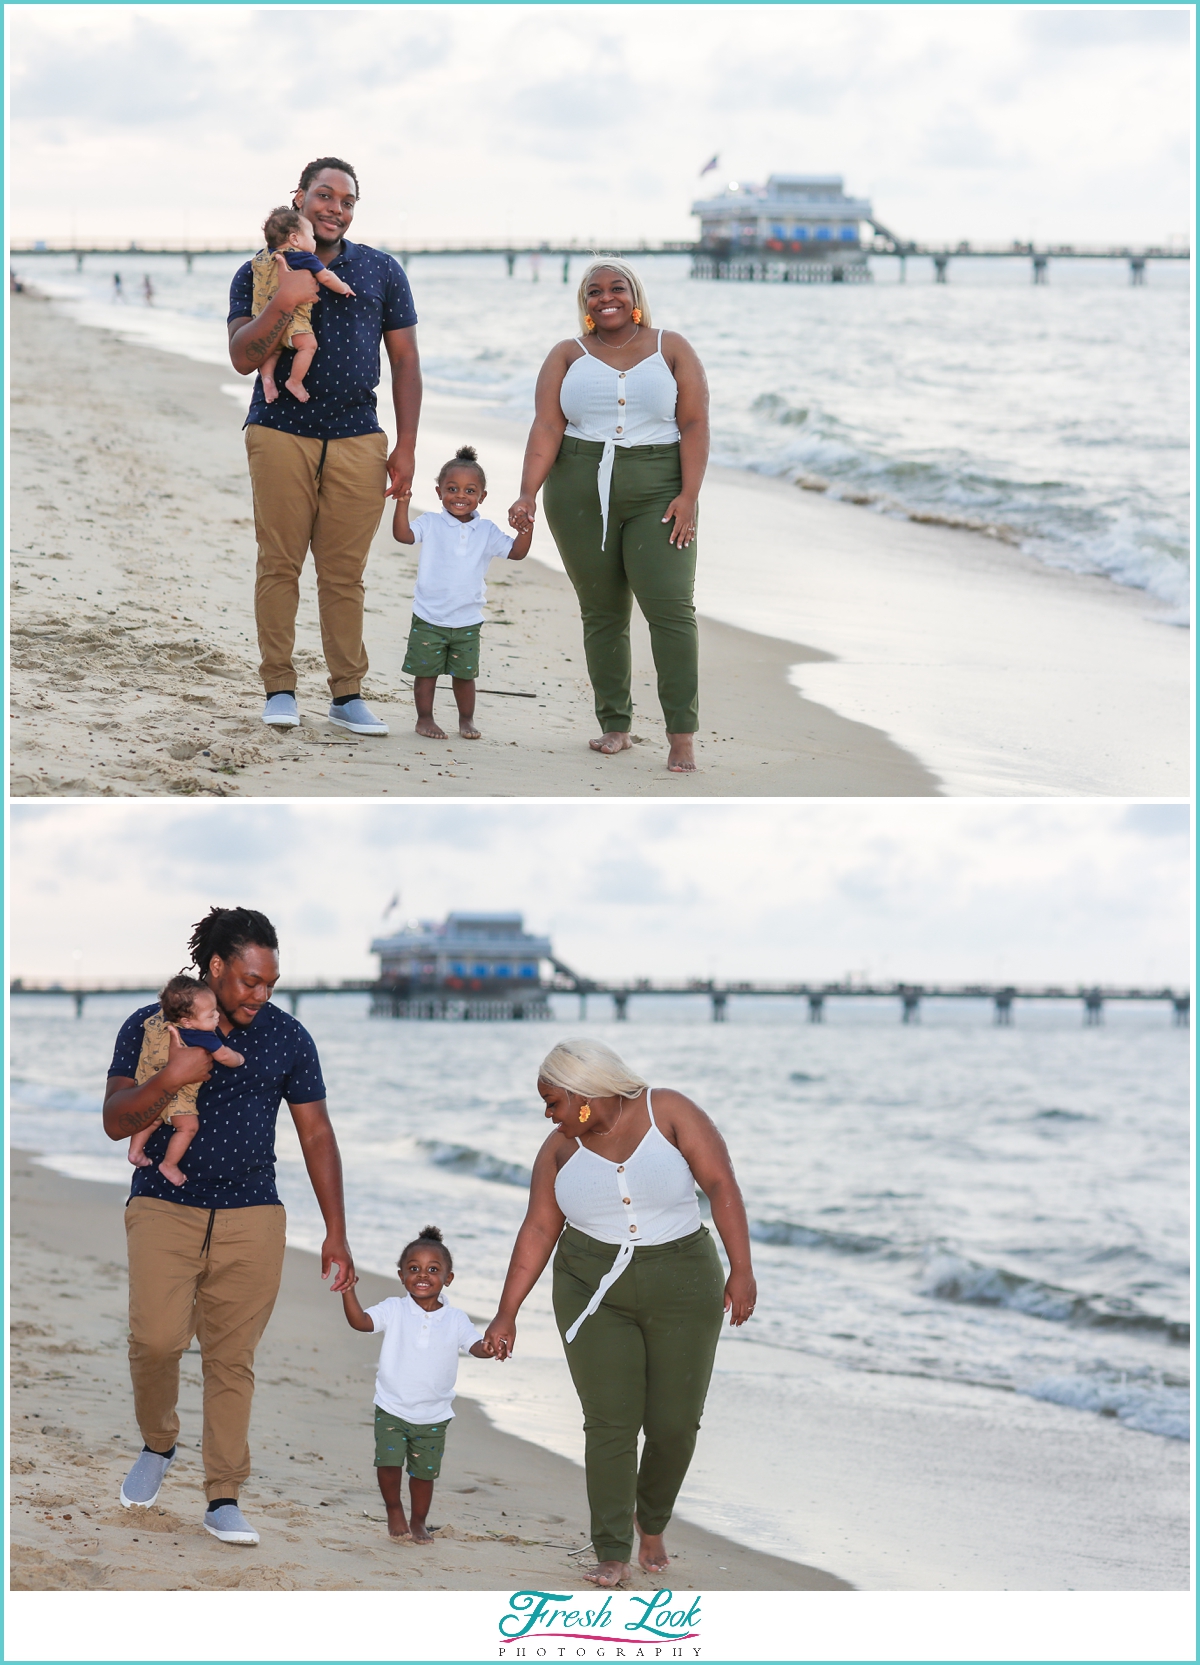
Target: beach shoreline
904, 658
508, 1513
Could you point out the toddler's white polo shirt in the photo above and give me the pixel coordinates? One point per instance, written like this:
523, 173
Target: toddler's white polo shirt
455, 555
418, 1362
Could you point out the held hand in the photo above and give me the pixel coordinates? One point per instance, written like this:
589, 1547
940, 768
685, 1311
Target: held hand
295, 287
741, 1295
336, 1251
401, 467
501, 1337
683, 511
184, 1064
522, 514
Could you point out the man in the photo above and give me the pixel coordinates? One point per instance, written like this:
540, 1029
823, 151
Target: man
205, 1258
320, 469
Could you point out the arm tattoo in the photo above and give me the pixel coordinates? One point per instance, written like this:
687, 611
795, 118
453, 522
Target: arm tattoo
258, 350
130, 1122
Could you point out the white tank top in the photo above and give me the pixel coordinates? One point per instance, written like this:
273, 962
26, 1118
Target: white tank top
648, 1198
619, 407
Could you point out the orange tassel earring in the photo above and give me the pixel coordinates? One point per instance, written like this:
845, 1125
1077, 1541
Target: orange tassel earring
585, 1111
637, 314
589, 325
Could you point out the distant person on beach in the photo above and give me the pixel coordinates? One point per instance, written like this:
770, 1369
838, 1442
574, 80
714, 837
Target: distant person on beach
290, 240
414, 1385
457, 547
188, 1010
639, 1292
320, 468
620, 441
147, 290
118, 292
205, 1259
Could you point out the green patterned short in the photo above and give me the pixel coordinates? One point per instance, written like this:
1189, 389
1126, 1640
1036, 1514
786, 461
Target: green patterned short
421, 1445
435, 650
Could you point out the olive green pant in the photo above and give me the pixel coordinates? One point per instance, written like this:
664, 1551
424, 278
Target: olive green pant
636, 559
641, 1361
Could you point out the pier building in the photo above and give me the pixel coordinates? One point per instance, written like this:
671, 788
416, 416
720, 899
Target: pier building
471, 965
797, 228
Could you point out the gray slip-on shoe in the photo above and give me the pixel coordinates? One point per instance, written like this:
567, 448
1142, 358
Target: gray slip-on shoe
141, 1486
357, 716
281, 711
230, 1525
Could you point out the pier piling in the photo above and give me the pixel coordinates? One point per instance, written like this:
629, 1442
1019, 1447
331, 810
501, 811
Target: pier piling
1003, 1008
719, 1001
1041, 265
910, 1005
621, 1005
816, 1008
1093, 1009
1137, 269
940, 262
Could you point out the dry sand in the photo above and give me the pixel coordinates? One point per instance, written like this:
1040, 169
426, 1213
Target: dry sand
508, 1513
133, 645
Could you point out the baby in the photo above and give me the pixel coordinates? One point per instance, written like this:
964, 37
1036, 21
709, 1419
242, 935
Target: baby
414, 1385
183, 999
457, 547
290, 238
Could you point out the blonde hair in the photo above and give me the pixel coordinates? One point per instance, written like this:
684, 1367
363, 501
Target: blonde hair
612, 264
590, 1068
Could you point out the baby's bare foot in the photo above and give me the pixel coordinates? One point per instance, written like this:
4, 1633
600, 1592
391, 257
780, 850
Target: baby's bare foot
610, 744
427, 727
297, 391
270, 391
141, 1160
169, 1171
468, 730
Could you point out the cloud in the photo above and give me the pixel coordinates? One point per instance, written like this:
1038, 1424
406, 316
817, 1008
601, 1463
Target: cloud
1077, 892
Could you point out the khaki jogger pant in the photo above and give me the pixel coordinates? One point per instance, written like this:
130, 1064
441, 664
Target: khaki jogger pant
641, 1361
333, 505
213, 1273
636, 559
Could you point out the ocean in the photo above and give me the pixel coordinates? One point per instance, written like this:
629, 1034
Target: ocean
1056, 417
944, 1203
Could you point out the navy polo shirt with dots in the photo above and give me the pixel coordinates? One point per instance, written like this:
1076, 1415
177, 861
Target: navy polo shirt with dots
349, 329
231, 1161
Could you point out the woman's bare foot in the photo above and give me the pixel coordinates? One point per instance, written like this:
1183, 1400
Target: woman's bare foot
297, 390
681, 759
420, 1533
427, 727
467, 729
608, 1574
169, 1171
652, 1552
610, 744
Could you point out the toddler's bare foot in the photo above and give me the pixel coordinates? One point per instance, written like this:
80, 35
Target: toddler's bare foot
141, 1160
397, 1525
681, 759
270, 391
608, 1574
468, 730
420, 1533
652, 1552
610, 744
297, 390
427, 727
169, 1171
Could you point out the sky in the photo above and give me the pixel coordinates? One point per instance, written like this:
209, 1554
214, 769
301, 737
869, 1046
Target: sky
911, 890
473, 123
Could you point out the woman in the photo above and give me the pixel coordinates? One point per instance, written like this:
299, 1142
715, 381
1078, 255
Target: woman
639, 1326
620, 441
